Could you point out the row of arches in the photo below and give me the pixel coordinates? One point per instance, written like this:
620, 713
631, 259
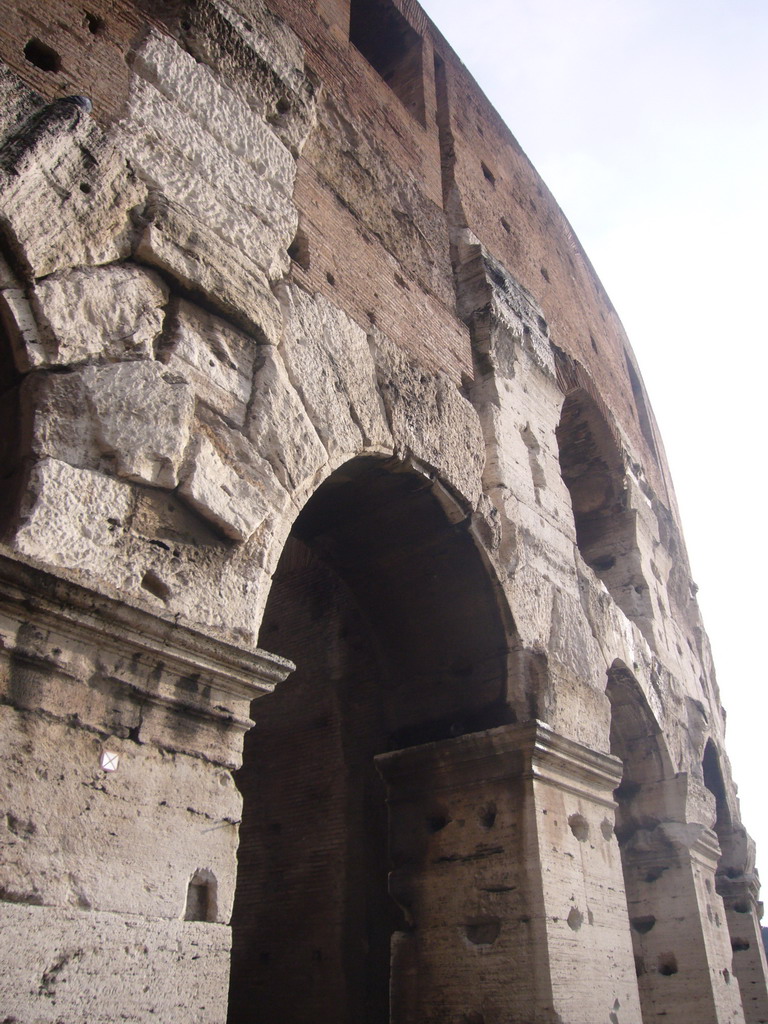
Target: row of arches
385, 604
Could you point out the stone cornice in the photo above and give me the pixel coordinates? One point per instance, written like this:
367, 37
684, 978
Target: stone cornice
29, 593
531, 751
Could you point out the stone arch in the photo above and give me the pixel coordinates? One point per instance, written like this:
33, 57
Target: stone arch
669, 869
593, 469
385, 605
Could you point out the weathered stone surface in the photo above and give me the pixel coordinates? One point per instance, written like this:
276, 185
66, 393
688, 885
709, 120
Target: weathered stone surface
56, 963
174, 153
215, 357
204, 263
142, 418
278, 424
72, 517
330, 365
21, 327
100, 313
67, 192
249, 389
259, 56
61, 425
232, 492
193, 88
446, 433
149, 873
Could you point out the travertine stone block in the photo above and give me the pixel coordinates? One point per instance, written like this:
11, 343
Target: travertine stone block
100, 313
446, 435
61, 425
278, 424
72, 517
192, 87
215, 357
19, 321
67, 192
233, 494
82, 967
161, 816
143, 416
331, 367
174, 153
177, 242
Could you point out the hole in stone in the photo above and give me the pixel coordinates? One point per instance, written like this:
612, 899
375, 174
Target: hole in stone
201, 897
152, 583
545, 274
298, 250
740, 945
575, 919
483, 931
654, 874
607, 829
642, 925
593, 343
42, 56
727, 976
437, 822
603, 564
742, 907
330, 278
85, 188
488, 816
94, 24
542, 324
667, 965
488, 174
579, 826
505, 225
399, 280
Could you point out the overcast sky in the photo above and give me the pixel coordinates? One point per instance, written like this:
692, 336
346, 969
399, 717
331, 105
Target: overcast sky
648, 120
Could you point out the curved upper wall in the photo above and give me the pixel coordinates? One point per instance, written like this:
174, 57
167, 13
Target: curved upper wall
383, 180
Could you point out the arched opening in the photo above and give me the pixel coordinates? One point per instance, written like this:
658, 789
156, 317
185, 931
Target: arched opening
713, 780
384, 604
645, 800
606, 529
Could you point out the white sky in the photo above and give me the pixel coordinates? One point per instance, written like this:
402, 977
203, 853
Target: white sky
648, 120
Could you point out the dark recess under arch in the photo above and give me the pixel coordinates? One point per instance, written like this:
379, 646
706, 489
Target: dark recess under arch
388, 611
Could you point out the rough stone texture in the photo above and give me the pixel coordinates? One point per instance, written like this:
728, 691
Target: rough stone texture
143, 416
87, 536
214, 357
57, 960
223, 493
278, 424
295, 343
431, 420
65, 172
204, 263
330, 365
106, 313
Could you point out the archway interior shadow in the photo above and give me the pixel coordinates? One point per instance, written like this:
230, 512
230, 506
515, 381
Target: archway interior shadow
388, 611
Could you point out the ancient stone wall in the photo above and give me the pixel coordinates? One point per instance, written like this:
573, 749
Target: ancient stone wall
298, 350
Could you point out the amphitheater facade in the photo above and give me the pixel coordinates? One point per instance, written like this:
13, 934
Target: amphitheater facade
351, 663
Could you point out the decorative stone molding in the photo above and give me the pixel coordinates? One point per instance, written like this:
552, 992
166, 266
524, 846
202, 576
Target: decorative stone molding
57, 628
